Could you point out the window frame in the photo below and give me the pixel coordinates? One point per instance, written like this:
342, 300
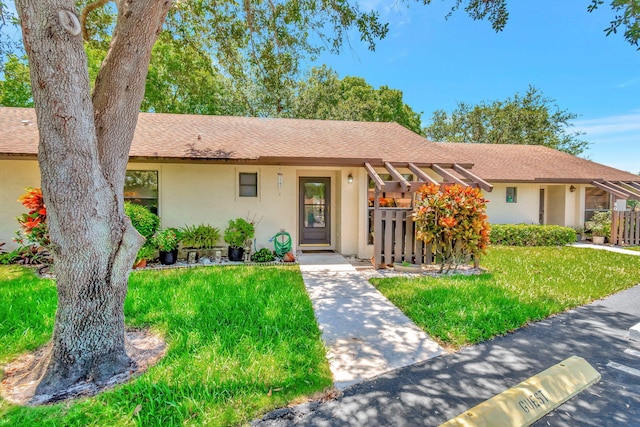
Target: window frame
251, 186
511, 198
153, 207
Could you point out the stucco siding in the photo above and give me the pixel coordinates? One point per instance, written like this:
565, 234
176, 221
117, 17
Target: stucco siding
195, 194
15, 176
191, 194
524, 210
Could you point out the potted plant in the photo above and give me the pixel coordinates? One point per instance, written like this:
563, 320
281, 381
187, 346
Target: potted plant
599, 226
236, 235
146, 253
166, 241
200, 239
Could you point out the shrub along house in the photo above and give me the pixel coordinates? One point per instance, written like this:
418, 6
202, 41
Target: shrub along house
321, 181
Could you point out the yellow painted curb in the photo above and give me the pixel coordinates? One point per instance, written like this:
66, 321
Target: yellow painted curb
533, 398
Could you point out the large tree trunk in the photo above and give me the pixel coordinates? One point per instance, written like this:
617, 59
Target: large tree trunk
83, 153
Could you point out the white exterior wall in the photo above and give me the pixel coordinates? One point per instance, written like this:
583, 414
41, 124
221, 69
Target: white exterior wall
15, 176
524, 211
190, 194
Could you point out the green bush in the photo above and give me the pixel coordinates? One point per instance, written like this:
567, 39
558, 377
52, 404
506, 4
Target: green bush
263, 255
203, 236
142, 219
531, 235
238, 232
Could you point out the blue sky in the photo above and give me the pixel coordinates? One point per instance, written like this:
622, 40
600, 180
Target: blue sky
554, 45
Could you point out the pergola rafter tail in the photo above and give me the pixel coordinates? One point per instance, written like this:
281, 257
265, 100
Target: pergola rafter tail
400, 184
617, 190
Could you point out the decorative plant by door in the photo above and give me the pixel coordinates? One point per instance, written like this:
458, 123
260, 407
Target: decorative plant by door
453, 220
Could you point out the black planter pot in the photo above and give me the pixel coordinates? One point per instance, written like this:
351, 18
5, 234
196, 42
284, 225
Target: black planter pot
236, 254
168, 258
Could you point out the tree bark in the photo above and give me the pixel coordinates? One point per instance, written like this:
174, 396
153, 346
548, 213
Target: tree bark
83, 152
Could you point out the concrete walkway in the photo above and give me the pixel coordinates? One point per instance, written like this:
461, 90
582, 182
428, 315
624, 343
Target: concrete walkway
366, 335
606, 248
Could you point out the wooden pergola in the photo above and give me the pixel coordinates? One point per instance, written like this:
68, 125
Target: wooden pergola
394, 233
620, 189
625, 225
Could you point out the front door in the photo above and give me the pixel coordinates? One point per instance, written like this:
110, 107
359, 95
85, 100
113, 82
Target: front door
315, 211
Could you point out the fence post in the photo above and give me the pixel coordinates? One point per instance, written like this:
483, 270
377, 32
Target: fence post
614, 227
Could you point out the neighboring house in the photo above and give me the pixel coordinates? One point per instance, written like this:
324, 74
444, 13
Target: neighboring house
315, 178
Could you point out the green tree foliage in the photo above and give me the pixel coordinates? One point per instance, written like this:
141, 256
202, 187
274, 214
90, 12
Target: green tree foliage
182, 79
627, 16
522, 119
15, 88
323, 95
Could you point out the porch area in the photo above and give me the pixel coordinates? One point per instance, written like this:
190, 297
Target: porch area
625, 224
392, 229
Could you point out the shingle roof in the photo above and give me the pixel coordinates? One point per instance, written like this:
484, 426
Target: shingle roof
180, 136
507, 162
176, 137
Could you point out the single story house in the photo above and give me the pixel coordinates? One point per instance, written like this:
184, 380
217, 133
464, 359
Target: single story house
318, 179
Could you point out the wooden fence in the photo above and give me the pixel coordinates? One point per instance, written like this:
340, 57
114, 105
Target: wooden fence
625, 228
395, 239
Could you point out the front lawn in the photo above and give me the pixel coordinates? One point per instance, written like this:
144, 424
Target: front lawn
241, 341
523, 284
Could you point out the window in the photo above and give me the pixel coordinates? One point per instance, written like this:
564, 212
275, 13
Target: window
512, 194
248, 184
595, 200
141, 188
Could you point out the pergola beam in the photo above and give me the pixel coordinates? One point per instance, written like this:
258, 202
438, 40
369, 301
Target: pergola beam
611, 190
446, 175
378, 181
634, 193
632, 184
628, 193
404, 184
422, 175
473, 177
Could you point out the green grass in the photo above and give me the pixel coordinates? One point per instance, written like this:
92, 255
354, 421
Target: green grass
233, 334
633, 248
524, 284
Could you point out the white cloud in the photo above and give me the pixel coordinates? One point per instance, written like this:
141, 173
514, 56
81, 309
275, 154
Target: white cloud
608, 126
615, 140
629, 83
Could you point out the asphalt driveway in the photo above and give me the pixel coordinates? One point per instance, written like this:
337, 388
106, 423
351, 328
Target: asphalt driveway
431, 392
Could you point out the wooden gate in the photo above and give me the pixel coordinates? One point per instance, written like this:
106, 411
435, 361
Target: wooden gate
396, 241
625, 228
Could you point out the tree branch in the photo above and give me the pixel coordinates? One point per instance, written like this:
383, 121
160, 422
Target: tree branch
119, 87
85, 13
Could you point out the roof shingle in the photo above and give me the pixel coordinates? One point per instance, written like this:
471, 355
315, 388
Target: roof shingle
180, 137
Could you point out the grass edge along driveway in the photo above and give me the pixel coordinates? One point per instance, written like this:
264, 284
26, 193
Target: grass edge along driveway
241, 341
522, 285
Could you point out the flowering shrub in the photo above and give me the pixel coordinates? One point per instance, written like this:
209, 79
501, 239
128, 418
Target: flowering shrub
166, 240
453, 221
33, 225
142, 219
